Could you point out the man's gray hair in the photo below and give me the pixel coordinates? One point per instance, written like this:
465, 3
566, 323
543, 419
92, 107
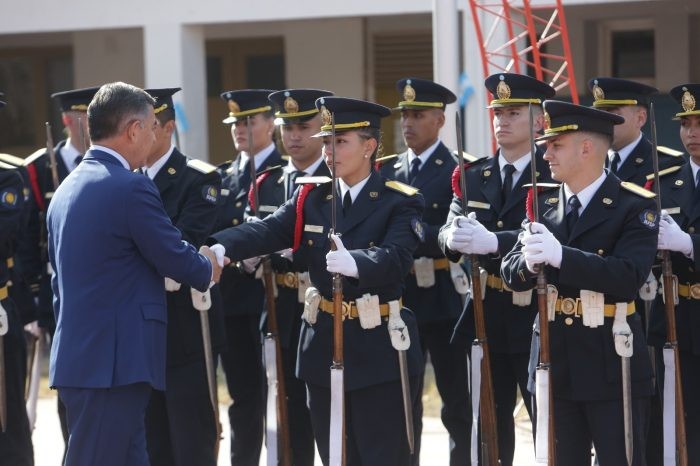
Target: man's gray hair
114, 105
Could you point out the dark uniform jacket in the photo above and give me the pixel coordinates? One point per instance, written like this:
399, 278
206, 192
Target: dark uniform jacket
189, 191
677, 197
272, 193
242, 293
378, 233
509, 327
639, 164
610, 250
439, 302
32, 259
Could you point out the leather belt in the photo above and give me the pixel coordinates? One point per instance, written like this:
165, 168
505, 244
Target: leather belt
3, 292
10, 262
689, 290
350, 310
497, 283
572, 306
442, 263
287, 280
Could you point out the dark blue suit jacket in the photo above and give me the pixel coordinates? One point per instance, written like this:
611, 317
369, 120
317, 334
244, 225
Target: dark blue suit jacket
110, 245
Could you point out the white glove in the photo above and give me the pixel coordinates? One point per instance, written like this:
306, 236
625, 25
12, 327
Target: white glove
33, 329
340, 261
287, 254
540, 246
458, 238
482, 241
250, 264
219, 251
672, 238
252, 219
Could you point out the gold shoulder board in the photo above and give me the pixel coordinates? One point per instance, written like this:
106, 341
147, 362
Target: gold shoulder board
665, 171
669, 151
638, 190
6, 166
406, 189
201, 166
12, 160
468, 157
543, 185
34, 155
313, 179
381, 160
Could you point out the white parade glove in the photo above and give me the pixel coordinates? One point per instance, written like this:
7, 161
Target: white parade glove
219, 251
250, 264
482, 240
340, 261
287, 254
33, 329
540, 246
458, 238
252, 219
672, 238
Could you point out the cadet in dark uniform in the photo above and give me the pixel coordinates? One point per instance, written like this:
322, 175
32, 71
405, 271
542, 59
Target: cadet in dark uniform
597, 241
496, 206
180, 425
16, 442
629, 157
378, 221
679, 233
32, 257
243, 293
299, 120
430, 291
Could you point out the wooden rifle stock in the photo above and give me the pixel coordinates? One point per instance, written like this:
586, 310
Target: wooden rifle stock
487, 403
669, 307
284, 446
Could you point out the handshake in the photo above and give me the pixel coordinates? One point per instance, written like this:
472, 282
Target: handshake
216, 255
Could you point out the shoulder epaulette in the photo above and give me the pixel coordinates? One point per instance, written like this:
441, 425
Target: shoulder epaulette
669, 151
636, 189
468, 157
12, 160
30, 159
543, 186
313, 180
665, 171
201, 166
268, 170
285, 157
406, 189
386, 158
7, 166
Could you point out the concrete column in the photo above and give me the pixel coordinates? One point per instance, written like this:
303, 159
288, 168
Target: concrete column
446, 60
174, 56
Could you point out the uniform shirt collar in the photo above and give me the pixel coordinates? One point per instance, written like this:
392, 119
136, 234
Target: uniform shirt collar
586, 194
153, 170
625, 151
259, 158
354, 190
423, 156
310, 170
520, 166
113, 153
694, 167
69, 153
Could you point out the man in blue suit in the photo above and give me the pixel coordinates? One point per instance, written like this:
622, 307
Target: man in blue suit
110, 245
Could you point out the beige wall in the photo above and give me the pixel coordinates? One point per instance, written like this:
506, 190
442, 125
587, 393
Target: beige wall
107, 56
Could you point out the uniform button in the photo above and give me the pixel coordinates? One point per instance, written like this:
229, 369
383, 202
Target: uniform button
371, 244
568, 321
691, 230
435, 206
310, 242
235, 221
239, 204
499, 224
600, 252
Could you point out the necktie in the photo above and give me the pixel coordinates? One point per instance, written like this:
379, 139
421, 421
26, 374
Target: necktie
508, 181
291, 184
615, 164
244, 178
78, 159
347, 202
572, 216
415, 169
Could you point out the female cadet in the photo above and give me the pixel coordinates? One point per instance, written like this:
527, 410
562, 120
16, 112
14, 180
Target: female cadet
379, 221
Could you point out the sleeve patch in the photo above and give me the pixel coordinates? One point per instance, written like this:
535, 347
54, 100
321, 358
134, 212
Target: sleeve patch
210, 193
9, 198
418, 229
649, 218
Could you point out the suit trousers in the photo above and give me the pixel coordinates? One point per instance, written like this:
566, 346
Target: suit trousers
106, 425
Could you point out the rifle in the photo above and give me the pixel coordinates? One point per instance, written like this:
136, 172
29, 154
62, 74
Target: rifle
278, 449
337, 427
544, 453
672, 375
480, 347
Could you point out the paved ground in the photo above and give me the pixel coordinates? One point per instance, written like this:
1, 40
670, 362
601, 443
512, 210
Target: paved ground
48, 444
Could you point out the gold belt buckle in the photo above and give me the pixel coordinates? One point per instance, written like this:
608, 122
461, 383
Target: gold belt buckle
290, 280
568, 306
346, 310
695, 291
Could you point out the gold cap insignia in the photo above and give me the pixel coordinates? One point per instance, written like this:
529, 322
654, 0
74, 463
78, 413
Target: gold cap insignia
688, 101
233, 106
325, 116
598, 93
172, 171
607, 201
409, 94
547, 121
503, 89
291, 105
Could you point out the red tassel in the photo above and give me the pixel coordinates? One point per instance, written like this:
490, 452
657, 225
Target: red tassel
649, 185
258, 182
456, 189
528, 206
299, 224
